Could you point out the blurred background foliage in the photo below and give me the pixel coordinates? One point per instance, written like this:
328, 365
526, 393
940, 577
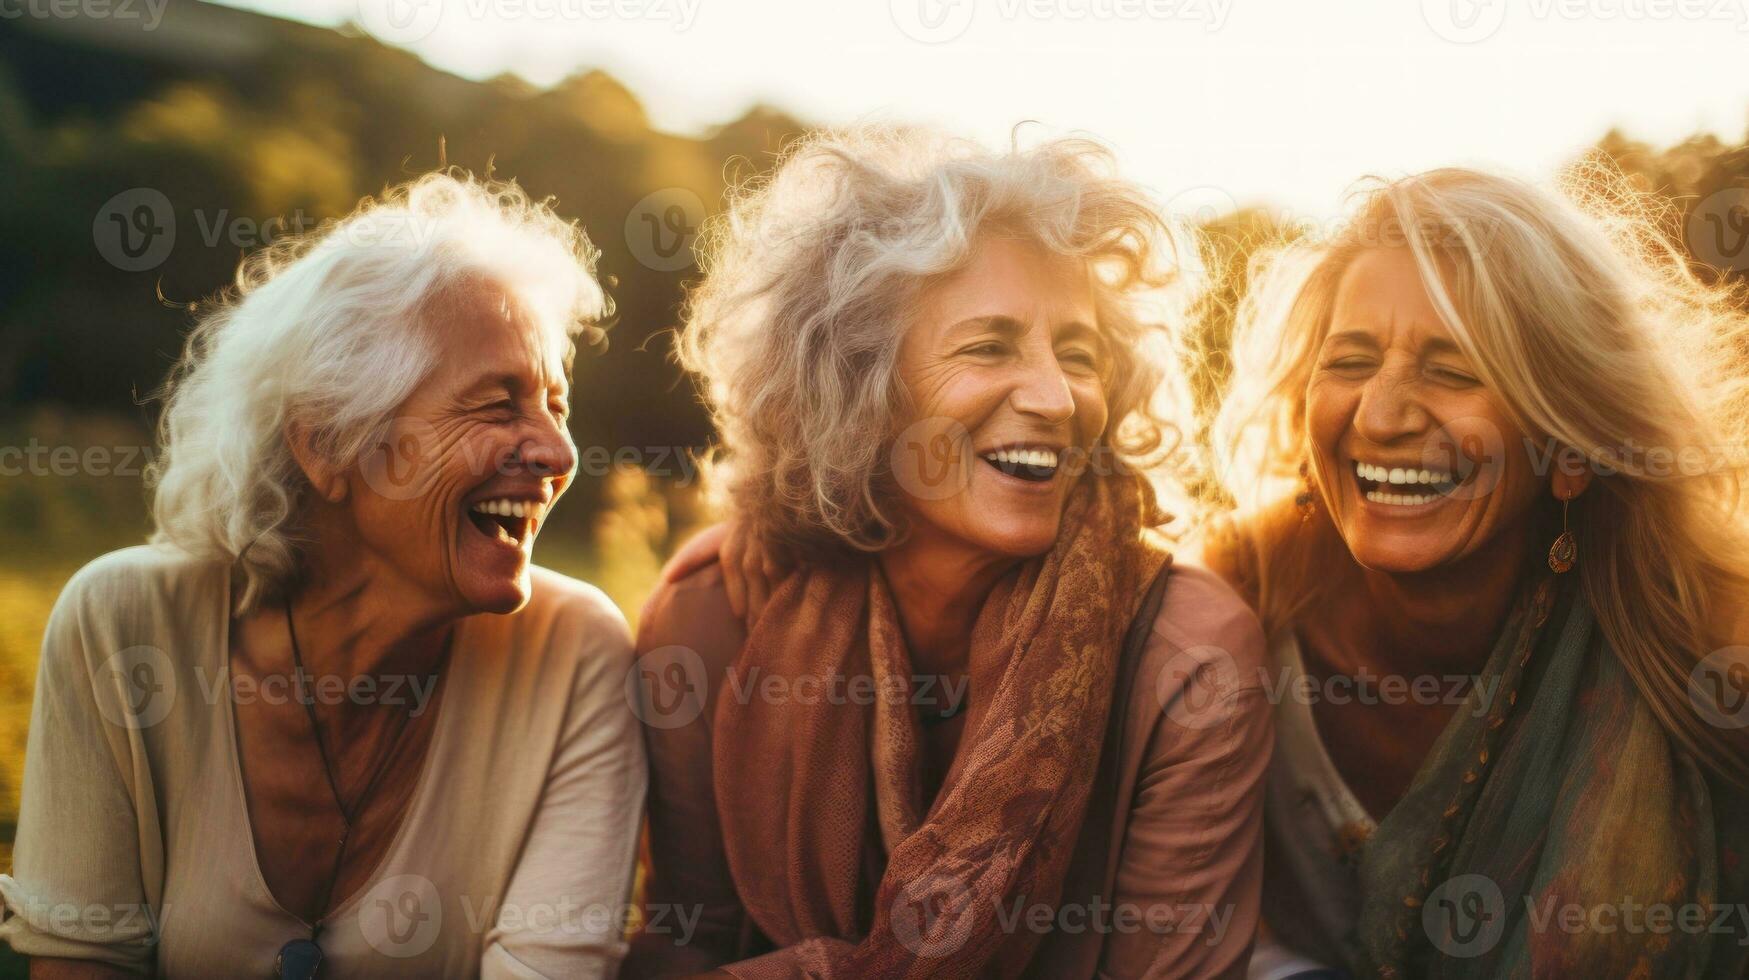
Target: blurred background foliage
239, 118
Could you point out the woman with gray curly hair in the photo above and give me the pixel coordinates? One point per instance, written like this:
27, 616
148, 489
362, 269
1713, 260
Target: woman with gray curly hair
332, 719
982, 725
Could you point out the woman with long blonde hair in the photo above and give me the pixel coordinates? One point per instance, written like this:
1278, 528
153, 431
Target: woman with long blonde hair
1502, 597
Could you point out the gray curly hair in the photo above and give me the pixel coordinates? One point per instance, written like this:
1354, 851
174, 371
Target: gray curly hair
812, 272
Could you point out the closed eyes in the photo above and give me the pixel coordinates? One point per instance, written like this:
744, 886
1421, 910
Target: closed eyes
1354, 366
1452, 376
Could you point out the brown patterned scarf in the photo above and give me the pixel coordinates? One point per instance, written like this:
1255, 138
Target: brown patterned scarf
823, 803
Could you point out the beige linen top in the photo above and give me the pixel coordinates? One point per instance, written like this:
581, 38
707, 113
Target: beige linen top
514, 857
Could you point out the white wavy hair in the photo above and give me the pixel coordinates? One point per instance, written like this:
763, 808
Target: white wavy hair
330, 331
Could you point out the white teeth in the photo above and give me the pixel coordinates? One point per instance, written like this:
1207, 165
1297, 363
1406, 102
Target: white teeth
508, 508
1401, 499
1399, 476
1024, 457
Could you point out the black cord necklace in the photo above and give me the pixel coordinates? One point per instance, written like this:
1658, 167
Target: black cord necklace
932, 718
301, 959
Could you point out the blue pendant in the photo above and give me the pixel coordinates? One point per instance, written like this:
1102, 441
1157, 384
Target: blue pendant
300, 959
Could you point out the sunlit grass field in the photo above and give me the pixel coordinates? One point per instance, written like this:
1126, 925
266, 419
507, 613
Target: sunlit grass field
26, 594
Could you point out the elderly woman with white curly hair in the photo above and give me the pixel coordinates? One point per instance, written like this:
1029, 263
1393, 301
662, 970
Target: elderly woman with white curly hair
332, 720
969, 734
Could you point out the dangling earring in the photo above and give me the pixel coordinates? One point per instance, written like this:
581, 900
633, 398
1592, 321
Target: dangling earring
1565, 551
1304, 500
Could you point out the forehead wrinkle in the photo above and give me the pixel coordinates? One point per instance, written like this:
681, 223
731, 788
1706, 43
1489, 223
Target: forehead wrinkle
528, 357
1060, 319
1413, 332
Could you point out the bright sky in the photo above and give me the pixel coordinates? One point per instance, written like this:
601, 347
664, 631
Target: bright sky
1283, 102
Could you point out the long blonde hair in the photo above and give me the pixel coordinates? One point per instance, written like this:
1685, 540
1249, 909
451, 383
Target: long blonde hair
1578, 309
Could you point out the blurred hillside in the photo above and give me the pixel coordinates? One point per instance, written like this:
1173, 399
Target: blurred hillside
238, 119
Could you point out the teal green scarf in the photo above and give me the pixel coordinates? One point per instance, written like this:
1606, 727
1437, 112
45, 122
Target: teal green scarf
1556, 832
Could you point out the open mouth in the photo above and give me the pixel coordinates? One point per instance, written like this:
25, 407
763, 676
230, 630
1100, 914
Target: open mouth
1031, 465
1399, 486
509, 521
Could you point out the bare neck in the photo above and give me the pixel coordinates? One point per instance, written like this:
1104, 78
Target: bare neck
1443, 619
355, 616
939, 584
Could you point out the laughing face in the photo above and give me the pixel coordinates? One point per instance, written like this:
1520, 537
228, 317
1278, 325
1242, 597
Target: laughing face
476, 457
1419, 463
1004, 363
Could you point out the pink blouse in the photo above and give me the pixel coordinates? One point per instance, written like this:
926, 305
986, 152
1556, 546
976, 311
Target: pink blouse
1180, 887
